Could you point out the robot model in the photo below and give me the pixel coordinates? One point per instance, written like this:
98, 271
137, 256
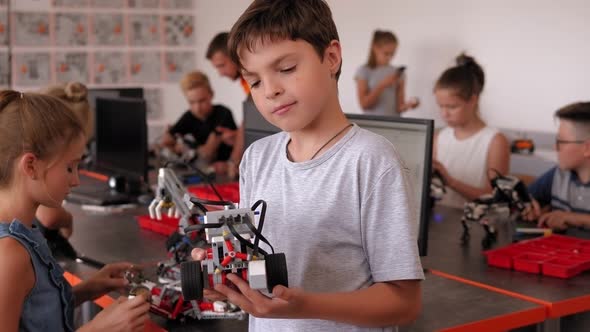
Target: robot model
166, 300
234, 249
231, 235
507, 201
172, 195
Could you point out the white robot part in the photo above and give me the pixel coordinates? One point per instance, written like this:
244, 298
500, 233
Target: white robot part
220, 306
257, 274
171, 194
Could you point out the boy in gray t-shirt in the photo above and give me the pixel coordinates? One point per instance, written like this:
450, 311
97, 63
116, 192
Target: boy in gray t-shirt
340, 205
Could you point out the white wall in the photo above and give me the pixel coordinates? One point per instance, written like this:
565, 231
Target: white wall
535, 52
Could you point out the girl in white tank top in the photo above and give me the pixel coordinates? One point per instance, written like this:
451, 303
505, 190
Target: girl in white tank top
467, 149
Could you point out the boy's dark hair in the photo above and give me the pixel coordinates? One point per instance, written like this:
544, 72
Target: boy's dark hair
466, 78
218, 44
579, 114
308, 20
576, 112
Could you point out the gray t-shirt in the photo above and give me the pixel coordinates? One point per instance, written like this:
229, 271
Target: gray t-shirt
387, 102
344, 220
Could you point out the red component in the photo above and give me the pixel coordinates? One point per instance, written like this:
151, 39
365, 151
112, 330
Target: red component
226, 260
241, 256
224, 280
229, 245
206, 306
245, 274
178, 307
209, 253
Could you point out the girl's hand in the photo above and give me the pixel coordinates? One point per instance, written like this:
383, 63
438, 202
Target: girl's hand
123, 315
440, 168
199, 254
109, 278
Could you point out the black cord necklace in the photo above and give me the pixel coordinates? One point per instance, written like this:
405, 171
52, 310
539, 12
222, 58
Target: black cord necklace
322, 147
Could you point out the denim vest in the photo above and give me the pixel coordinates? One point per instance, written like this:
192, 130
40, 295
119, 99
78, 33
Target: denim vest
49, 306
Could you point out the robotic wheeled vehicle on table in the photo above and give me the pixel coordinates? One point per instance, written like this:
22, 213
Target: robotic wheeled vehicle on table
231, 240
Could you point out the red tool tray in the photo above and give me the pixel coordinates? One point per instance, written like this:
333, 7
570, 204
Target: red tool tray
556, 256
228, 191
166, 226
169, 225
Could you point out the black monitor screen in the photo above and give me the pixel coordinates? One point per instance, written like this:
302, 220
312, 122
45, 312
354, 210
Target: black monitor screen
95, 93
121, 136
412, 139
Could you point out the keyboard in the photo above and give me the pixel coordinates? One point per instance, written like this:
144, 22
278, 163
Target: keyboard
95, 192
104, 197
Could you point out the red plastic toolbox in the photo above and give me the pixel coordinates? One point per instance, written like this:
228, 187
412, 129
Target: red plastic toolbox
556, 255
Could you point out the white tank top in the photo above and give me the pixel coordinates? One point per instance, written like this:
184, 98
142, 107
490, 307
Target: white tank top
465, 160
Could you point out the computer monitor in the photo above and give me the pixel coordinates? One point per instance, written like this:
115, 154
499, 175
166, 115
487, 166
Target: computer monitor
412, 139
113, 93
95, 93
121, 137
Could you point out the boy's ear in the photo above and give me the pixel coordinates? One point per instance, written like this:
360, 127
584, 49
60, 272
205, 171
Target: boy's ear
473, 100
333, 56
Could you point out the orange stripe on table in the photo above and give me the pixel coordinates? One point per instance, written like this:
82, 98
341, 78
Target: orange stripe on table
570, 306
492, 288
98, 176
502, 323
103, 301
